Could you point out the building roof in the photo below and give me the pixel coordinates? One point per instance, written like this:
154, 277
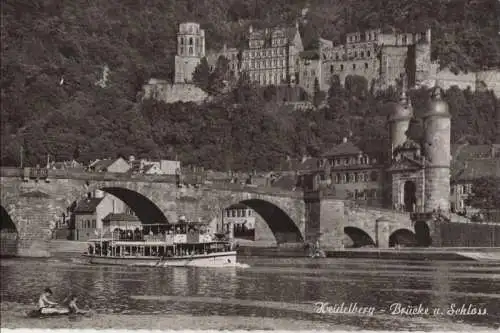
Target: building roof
101, 164
285, 182
345, 148
148, 167
87, 205
477, 168
238, 206
121, 217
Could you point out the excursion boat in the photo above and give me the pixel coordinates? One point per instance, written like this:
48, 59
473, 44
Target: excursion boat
161, 245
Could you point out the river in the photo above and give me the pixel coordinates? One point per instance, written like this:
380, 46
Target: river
355, 293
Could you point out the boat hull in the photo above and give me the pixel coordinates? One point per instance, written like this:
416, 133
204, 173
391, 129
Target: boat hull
206, 260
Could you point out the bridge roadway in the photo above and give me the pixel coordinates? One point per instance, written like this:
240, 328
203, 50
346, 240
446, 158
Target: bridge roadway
291, 216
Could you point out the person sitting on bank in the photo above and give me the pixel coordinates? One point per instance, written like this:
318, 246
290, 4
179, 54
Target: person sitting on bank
72, 307
44, 302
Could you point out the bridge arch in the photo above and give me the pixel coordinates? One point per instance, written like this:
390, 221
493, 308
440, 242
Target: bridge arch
145, 209
359, 237
281, 224
404, 237
8, 234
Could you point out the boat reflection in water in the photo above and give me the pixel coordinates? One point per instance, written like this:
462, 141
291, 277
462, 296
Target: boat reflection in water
179, 244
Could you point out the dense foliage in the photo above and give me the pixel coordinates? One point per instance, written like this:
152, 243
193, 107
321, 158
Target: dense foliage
57, 100
485, 195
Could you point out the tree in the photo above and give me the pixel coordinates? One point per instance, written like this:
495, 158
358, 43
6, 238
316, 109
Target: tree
219, 77
485, 194
319, 95
201, 75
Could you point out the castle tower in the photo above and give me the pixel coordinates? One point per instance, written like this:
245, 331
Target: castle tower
399, 120
437, 132
190, 50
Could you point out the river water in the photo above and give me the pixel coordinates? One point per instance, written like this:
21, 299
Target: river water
359, 293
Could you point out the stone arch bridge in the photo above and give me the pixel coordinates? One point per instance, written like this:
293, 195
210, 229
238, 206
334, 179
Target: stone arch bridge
33, 205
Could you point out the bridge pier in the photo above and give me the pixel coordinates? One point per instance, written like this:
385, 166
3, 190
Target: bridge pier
325, 220
382, 232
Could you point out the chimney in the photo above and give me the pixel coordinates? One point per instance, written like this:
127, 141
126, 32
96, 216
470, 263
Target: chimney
344, 140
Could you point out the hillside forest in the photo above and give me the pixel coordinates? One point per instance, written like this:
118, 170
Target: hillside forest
58, 99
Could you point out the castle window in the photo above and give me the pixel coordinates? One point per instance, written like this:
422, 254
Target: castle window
353, 66
366, 65
191, 41
331, 68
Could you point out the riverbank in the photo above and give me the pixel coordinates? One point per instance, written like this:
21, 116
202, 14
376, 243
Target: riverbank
12, 316
448, 254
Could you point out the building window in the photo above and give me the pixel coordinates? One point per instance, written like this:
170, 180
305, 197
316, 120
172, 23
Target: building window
337, 178
353, 67
405, 40
341, 67
374, 176
362, 54
312, 72
366, 65
190, 50
368, 53
355, 54
331, 68
336, 56
233, 213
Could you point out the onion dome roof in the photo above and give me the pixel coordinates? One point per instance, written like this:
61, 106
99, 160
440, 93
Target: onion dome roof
401, 110
437, 106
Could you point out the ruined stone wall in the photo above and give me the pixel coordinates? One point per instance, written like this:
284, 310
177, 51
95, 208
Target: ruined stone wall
184, 68
491, 79
171, 93
369, 68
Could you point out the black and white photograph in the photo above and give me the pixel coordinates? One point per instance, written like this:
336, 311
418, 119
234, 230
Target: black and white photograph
250, 165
